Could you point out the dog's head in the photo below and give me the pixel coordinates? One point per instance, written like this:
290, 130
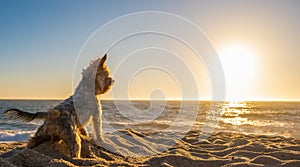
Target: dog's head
98, 74
103, 80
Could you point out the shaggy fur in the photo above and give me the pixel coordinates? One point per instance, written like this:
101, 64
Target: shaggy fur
62, 122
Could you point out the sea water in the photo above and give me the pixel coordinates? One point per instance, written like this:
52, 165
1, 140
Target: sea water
267, 118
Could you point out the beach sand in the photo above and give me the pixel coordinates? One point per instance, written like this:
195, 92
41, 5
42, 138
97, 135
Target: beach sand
133, 148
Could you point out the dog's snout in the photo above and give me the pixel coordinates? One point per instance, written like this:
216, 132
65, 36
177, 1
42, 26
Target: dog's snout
112, 81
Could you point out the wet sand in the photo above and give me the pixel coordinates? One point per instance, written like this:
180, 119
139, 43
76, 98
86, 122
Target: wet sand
133, 148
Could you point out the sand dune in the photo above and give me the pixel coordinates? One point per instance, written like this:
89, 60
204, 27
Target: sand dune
132, 148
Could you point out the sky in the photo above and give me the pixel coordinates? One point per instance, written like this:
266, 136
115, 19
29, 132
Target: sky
257, 43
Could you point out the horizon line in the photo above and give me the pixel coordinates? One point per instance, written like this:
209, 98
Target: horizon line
170, 99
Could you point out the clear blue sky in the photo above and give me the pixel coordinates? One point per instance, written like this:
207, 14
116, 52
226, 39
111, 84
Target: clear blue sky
39, 41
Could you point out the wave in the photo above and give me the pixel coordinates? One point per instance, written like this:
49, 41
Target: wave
13, 135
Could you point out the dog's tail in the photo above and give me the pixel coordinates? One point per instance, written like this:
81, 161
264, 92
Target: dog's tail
25, 116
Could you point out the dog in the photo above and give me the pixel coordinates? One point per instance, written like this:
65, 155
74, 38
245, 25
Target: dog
67, 120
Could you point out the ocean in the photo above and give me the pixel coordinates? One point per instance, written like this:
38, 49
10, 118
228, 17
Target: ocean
264, 118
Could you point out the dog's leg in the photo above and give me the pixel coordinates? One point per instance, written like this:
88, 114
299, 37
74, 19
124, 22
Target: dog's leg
80, 127
97, 124
73, 141
38, 138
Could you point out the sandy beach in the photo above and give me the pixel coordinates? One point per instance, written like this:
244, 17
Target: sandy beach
132, 148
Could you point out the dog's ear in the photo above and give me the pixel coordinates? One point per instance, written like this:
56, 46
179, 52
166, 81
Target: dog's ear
102, 61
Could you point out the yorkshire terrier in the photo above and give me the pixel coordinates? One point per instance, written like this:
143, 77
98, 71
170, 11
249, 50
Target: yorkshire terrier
66, 121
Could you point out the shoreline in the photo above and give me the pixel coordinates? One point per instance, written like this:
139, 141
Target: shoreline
133, 148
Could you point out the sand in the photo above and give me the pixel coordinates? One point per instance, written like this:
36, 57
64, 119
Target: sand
132, 148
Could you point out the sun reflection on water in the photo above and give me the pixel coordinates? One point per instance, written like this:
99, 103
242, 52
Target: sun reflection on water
232, 111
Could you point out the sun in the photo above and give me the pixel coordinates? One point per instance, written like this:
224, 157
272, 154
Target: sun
239, 66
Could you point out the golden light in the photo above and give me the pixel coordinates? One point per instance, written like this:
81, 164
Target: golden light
239, 67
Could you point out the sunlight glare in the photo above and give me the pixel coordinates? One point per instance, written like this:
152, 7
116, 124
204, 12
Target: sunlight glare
239, 67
